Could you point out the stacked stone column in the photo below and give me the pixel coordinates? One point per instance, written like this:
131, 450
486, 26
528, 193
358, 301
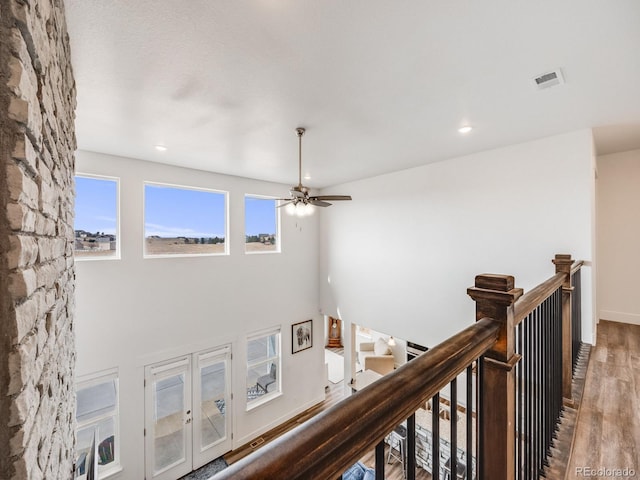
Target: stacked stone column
37, 144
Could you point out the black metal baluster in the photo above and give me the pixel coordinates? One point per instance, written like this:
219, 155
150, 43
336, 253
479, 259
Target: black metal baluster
576, 319
469, 415
519, 416
535, 389
545, 384
380, 460
549, 373
526, 323
453, 428
410, 465
435, 436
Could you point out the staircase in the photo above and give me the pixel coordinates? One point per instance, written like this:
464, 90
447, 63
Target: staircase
563, 443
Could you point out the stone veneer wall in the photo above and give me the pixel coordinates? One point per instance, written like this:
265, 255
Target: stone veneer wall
37, 144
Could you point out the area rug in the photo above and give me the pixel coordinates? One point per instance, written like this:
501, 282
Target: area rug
207, 471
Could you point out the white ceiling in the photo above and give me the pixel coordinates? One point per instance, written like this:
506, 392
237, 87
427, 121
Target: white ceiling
380, 85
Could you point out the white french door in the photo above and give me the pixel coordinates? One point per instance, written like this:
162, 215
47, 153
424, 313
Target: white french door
187, 413
212, 405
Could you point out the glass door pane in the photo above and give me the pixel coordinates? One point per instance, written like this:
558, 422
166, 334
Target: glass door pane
212, 404
169, 419
212, 415
169, 431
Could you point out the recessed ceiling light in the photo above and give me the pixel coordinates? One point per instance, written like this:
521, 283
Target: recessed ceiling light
161, 148
465, 129
307, 176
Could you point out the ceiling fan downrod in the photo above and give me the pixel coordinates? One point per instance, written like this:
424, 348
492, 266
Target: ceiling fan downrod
300, 131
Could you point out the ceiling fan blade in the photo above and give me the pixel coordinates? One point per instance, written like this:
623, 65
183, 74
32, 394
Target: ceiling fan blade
319, 203
332, 197
296, 193
287, 202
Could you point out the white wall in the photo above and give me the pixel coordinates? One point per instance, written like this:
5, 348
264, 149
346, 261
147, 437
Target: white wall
134, 311
618, 206
400, 256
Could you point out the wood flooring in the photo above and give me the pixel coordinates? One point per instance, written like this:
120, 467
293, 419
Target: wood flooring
608, 426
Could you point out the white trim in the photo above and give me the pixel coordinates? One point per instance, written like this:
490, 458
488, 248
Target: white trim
226, 243
263, 333
117, 253
278, 226
266, 398
276, 358
91, 380
623, 317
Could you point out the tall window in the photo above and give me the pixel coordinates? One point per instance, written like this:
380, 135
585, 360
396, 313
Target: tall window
263, 366
96, 217
184, 221
261, 222
97, 421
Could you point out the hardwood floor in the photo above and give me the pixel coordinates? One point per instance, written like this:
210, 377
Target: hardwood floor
608, 425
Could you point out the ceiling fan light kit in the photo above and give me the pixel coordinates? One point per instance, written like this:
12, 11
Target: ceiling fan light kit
300, 203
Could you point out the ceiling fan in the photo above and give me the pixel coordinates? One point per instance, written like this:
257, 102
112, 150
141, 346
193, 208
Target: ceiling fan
300, 202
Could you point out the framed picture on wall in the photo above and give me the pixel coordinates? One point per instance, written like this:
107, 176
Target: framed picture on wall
301, 336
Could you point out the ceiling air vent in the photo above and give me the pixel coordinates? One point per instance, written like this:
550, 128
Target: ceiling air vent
549, 79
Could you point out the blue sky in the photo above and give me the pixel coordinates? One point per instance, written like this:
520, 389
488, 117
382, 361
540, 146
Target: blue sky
181, 212
96, 205
260, 215
169, 211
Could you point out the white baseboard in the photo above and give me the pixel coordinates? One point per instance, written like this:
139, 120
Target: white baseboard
238, 442
623, 317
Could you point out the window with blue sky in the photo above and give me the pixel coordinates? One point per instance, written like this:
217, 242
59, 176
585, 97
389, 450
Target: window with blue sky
184, 221
261, 224
96, 217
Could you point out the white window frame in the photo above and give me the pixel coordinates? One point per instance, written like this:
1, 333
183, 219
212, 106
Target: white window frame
184, 187
277, 359
278, 229
92, 380
116, 255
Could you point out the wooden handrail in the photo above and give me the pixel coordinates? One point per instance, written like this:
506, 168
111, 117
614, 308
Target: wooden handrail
530, 300
329, 443
577, 265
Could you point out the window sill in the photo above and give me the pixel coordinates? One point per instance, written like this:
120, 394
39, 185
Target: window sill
185, 255
114, 473
97, 258
263, 400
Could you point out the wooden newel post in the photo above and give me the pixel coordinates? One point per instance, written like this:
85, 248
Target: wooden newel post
494, 296
563, 265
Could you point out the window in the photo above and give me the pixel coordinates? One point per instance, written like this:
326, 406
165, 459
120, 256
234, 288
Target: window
261, 221
263, 367
96, 218
97, 418
184, 221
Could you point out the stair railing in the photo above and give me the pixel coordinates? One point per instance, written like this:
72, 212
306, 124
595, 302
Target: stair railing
513, 362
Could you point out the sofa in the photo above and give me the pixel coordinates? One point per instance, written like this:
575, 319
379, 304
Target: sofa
359, 471
376, 356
